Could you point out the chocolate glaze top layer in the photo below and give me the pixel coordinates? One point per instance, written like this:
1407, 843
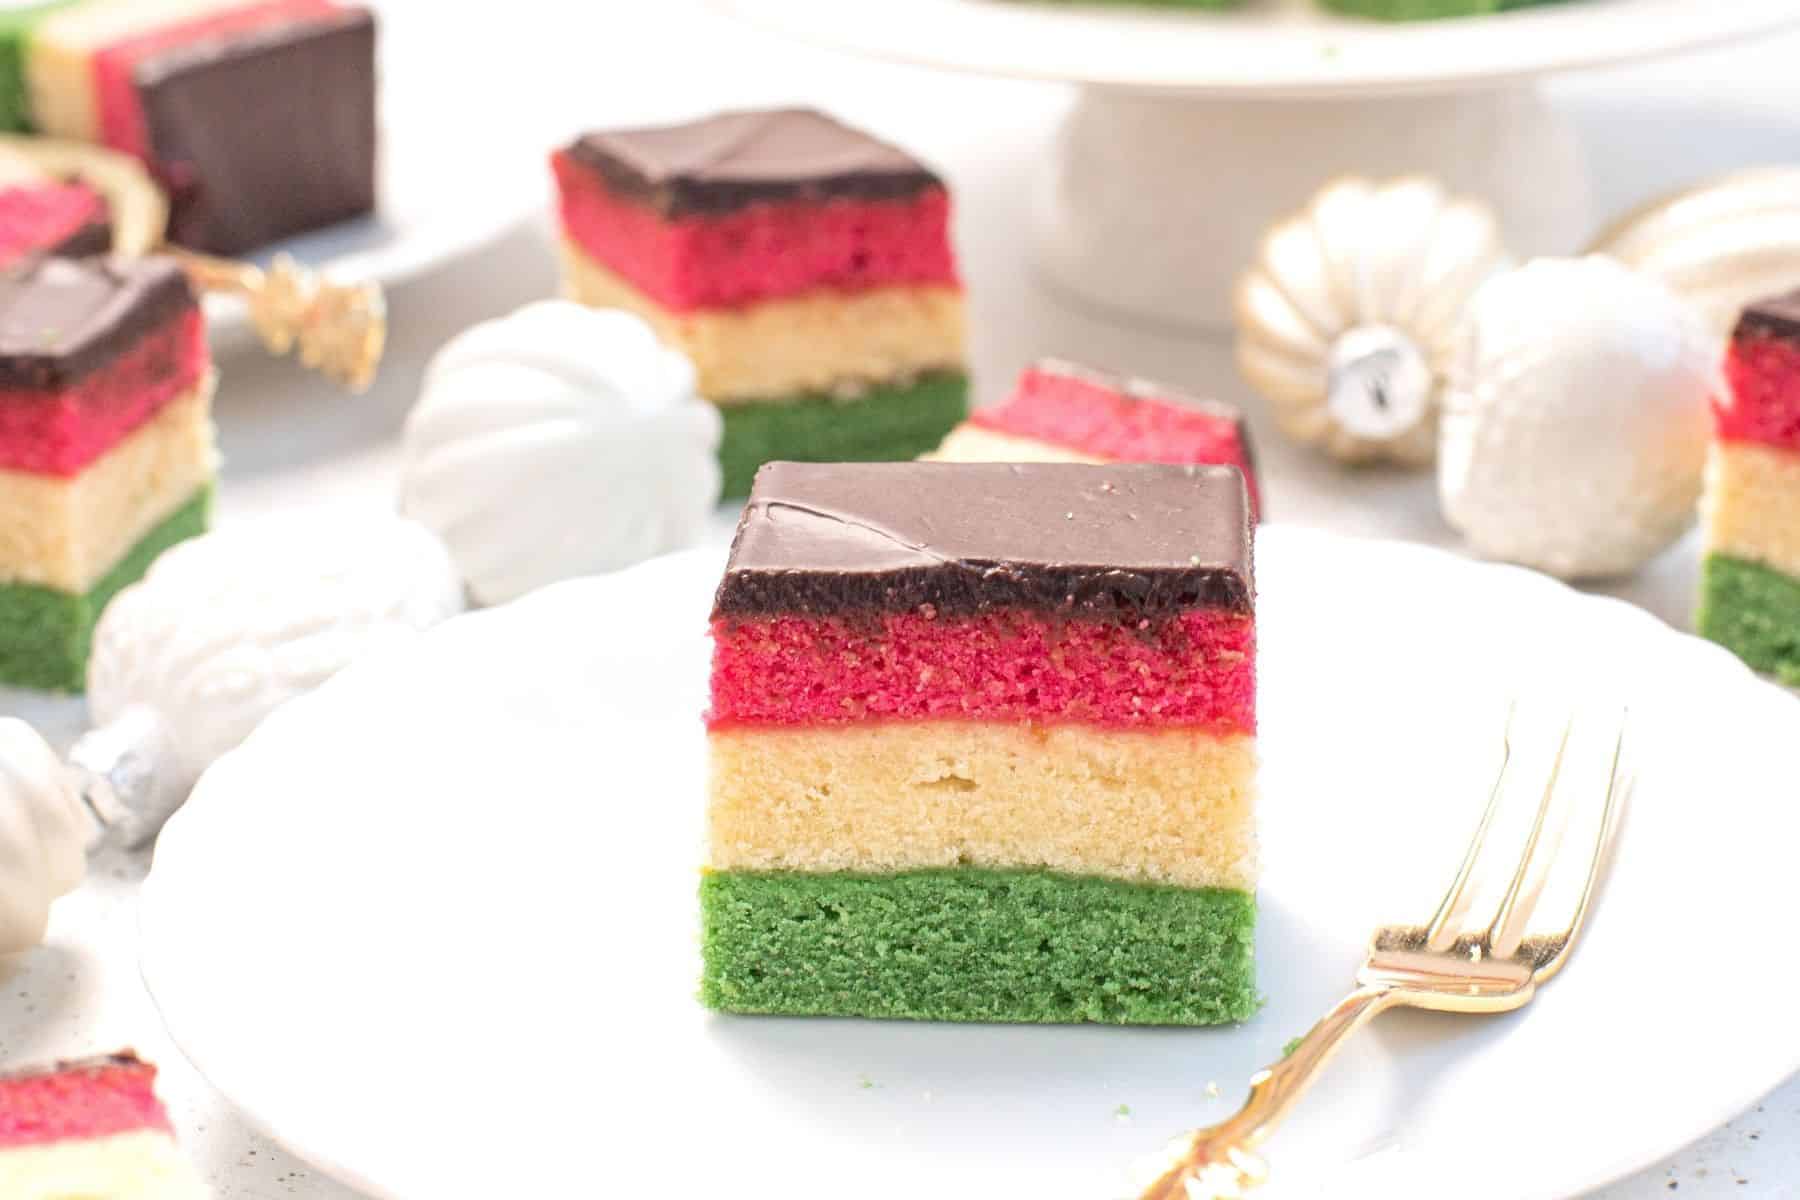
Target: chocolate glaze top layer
1778, 316
734, 159
264, 133
1121, 541
61, 318
85, 1066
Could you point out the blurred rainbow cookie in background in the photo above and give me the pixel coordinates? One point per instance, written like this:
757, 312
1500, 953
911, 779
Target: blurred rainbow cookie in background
1750, 581
91, 1129
1060, 412
75, 199
52, 216
1427, 10
983, 747
257, 118
803, 266
17, 21
106, 447
1384, 10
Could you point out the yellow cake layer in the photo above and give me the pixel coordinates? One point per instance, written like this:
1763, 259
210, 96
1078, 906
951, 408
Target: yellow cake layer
823, 341
59, 60
972, 443
1752, 504
67, 533
1172, 806
146, 1165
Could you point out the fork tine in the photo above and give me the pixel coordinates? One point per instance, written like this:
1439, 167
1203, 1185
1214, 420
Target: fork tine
1436, 931
1589, 885
1509, 904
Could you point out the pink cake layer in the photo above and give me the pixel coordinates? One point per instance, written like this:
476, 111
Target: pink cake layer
1195, 669
61, 431
41, 217
760, 252
80, 1101
122, 123
1762, 397
1088, 417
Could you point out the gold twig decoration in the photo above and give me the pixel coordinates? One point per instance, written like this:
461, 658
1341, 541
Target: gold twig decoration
340, 329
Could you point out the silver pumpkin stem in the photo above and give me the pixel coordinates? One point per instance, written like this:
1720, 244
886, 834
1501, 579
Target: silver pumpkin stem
122, 772
1379, 383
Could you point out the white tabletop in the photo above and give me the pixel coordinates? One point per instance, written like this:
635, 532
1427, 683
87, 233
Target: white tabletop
289, 440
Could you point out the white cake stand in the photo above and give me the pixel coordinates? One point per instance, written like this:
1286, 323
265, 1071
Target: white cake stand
1195, 130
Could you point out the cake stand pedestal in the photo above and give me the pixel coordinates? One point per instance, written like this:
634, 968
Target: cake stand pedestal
1154, 203
1194, 131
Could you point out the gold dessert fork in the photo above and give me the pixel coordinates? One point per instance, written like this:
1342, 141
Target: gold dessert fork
1438, 966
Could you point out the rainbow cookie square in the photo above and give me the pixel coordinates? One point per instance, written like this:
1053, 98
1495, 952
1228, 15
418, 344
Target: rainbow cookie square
106, 447
805, 268
1062, 412
90, 1129
982, 744
52, 217
17, 22
1750, 579
258, 117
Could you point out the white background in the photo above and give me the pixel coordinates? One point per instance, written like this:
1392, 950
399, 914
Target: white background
537, 71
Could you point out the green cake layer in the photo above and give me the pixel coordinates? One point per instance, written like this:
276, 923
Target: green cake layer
883, 424
977, 945
1753, 611
1426, 10
16, 23
44, 633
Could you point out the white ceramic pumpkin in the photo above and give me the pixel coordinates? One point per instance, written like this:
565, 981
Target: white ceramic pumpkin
559, 441
43, 835
226, 627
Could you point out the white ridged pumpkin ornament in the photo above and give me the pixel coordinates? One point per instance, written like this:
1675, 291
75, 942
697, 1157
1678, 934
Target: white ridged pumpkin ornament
1719, 245
1575, 427
556, 442
44, 832
1344, 322
226, 627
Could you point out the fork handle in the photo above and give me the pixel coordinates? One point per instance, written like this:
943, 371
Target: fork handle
1273, 1091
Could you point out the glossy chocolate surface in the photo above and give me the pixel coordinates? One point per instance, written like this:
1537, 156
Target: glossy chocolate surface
61, 318
1110, 542
731, 160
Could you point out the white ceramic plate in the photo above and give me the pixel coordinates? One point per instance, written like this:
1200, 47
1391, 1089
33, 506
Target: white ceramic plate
1265, 47
433, 927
